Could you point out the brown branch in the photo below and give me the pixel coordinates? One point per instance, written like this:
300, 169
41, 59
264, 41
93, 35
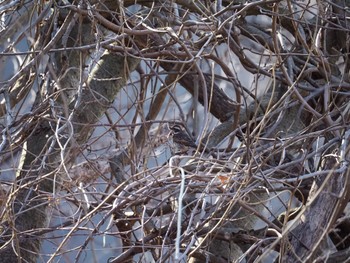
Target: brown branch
327, 200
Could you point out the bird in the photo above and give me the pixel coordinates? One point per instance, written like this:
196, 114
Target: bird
181, 140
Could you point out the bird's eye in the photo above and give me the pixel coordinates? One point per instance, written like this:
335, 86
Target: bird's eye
176, 128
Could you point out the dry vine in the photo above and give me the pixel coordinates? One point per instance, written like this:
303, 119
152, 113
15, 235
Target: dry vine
263, 86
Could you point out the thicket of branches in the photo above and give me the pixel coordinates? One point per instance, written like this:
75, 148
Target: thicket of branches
88, 169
